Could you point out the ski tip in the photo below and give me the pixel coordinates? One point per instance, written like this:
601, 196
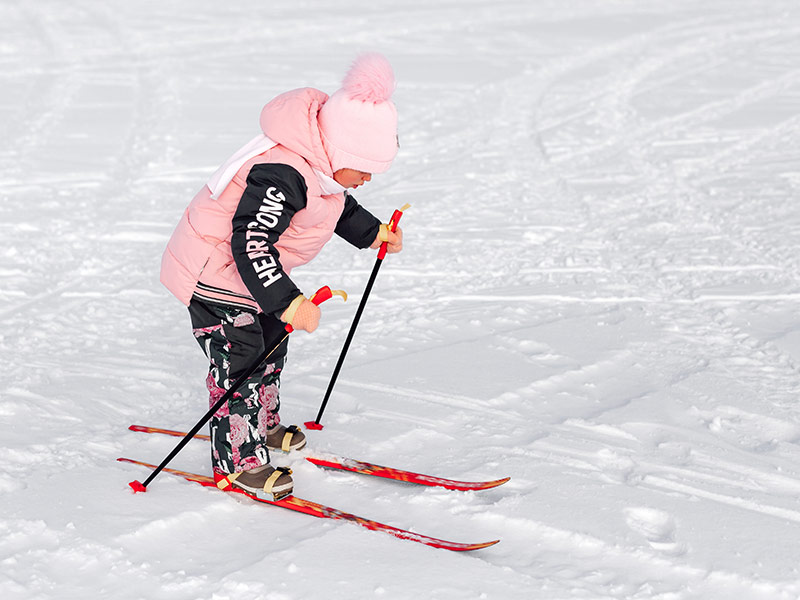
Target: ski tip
313, 425
496, 482
137, 486
480, 546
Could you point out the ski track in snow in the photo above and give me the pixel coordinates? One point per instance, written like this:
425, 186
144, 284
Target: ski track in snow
598, 297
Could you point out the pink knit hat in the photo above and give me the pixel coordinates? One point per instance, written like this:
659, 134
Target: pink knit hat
359, 121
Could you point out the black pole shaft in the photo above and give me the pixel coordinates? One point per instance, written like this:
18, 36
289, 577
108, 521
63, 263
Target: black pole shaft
217, 405
349, 339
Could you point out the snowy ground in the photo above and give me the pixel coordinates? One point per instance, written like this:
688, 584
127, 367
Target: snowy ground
598, 297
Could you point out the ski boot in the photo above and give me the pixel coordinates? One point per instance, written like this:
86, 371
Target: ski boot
265, 482
285, 438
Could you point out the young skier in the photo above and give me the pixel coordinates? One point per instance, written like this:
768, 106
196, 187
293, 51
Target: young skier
268, 209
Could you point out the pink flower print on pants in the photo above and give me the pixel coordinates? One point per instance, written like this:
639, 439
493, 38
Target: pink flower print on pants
269, 397
214, 394
238, 435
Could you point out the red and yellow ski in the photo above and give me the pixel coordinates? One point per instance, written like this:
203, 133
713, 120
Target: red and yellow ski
362, 467
326, 512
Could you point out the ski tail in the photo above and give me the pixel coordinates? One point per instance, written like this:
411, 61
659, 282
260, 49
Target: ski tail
171, 432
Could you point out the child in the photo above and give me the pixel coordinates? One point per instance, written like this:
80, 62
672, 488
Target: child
270, 208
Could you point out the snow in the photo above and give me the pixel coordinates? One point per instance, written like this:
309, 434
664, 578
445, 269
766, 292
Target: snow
598, 297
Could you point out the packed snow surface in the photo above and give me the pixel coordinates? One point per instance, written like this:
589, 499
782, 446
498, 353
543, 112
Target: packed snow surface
599, 297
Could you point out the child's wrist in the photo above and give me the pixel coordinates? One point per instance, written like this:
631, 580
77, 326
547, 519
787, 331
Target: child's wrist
291, 310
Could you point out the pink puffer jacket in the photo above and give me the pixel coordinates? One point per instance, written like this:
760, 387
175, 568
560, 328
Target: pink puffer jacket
200, 247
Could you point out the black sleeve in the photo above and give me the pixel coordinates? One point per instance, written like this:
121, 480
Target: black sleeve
274, 193
357, 225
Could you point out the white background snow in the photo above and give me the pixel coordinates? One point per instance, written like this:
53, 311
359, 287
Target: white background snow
598, 297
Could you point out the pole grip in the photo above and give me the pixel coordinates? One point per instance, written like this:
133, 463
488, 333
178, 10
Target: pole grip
392, 227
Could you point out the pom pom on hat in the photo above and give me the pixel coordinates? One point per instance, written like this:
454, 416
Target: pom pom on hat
370, 79
359, 121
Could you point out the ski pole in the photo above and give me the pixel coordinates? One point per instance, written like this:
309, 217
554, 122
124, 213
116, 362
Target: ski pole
320, 296
381, 255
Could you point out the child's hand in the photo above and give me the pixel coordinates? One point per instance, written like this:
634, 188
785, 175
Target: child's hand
307, 316
394, 239
302, 314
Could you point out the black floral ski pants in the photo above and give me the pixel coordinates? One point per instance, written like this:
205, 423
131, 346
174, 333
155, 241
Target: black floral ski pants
232, 339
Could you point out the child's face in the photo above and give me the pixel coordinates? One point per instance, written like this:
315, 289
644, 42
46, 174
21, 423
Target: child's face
350, 178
